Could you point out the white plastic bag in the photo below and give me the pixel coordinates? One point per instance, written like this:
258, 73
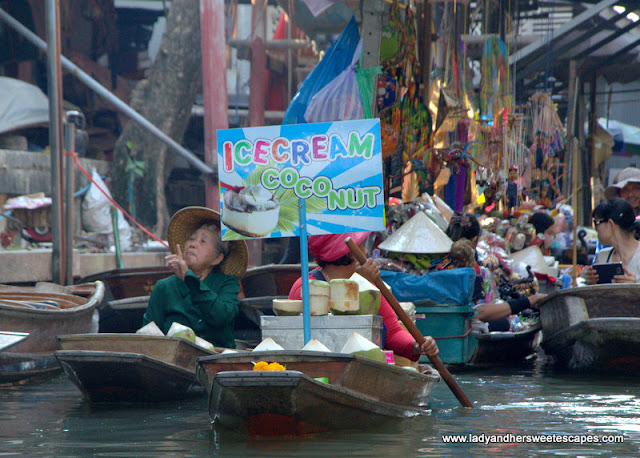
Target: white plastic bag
96, 213
340, 99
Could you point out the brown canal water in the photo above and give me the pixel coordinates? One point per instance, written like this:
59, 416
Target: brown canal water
51, 418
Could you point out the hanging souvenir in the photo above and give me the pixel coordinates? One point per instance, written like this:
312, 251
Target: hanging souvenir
386, 93
495, 94
392, 36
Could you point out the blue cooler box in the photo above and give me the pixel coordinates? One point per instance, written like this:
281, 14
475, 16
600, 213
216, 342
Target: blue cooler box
453, 323
437, 297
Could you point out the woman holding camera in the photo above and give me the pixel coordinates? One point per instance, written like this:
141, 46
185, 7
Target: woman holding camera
616, 225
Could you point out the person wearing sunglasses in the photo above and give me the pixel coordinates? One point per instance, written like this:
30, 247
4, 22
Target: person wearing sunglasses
616, 225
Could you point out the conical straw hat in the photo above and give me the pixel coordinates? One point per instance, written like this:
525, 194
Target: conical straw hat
532, 256
419, 235
188, 219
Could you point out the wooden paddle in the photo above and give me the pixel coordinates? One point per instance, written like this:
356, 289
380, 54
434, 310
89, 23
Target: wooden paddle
413, 330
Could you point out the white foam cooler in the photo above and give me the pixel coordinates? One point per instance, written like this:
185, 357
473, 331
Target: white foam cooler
332, 330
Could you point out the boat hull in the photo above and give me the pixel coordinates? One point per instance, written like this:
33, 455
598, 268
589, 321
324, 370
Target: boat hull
17, 367
127, 377
131, 367
602, 344
290, 403
360, 392
593, 328
34, 355
123, 315
496, 348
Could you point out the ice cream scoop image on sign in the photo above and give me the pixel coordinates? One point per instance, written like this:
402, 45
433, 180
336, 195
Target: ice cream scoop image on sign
265, 173
253, 211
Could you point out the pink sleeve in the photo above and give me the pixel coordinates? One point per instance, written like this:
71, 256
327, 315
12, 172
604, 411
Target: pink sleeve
296, 289
398, 340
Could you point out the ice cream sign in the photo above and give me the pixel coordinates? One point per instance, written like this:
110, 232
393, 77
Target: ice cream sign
335, 167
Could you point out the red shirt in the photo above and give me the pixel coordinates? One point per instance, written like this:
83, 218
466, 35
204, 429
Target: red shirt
397, 339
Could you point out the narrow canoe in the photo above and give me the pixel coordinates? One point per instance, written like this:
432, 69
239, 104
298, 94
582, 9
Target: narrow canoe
131, 367
508, 347
317, 392
594, 328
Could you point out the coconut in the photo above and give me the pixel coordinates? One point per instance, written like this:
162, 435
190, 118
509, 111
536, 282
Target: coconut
351, 307
200, 342
344, 297
319, 288
318, 305
369, 295
268, 344
285, 307
150, 329
319, 297
358, 345
315, 345
182, 331
344, 289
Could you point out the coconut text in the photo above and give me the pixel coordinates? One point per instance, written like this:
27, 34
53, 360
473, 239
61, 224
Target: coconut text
320, 186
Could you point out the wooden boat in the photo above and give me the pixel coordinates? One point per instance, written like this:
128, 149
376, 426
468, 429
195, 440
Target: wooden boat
496, 347
131, 282
271, 279
9, 339
131, 367
126, 296
43, 315
356, 392
593, 328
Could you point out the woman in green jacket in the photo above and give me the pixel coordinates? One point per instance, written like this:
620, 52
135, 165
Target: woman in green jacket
203, 293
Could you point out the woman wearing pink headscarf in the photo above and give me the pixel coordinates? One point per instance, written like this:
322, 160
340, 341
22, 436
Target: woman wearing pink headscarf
335, 261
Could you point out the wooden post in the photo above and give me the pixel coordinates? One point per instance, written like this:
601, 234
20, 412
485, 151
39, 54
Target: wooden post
258, 62
54, 86
581, 216
574, 260
571, 111
257, 91
372, 12
214, 88
591, 153
573, 146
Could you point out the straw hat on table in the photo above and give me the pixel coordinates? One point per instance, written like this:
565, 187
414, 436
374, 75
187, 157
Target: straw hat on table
187, 220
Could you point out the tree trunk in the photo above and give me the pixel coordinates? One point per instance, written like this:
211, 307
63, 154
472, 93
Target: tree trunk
165, 98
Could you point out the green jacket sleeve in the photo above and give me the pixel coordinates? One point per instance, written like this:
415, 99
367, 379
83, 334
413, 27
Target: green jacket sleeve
164, 292
216, 297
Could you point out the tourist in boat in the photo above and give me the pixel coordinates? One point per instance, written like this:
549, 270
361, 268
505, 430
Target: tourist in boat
544, 226
467, 226
335, 261
616, 225
203, 293
626, 185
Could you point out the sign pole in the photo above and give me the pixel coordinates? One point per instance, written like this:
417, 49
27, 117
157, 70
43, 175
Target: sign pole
304, 267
